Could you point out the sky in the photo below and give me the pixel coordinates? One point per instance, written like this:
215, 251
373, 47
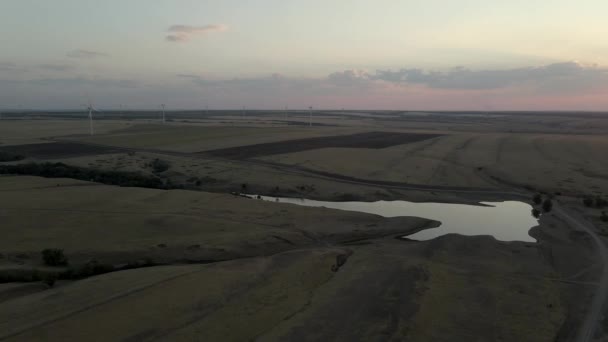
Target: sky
271, 54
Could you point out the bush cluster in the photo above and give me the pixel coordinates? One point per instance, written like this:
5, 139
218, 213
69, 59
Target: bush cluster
9, 157
597, 202
54, 257
547, 205
159, 165
61, 170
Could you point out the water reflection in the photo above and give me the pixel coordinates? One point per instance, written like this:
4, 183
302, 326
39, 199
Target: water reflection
506, 221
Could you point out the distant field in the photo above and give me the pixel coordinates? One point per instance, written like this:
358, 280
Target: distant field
568, 162
55, 150
15, 132
371, 140
192, 138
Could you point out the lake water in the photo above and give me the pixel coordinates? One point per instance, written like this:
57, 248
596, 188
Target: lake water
506, 221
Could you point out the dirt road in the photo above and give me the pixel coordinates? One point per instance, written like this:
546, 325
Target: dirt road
589, 325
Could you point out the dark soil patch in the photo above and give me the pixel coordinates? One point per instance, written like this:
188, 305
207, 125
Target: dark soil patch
57, 150
373, 140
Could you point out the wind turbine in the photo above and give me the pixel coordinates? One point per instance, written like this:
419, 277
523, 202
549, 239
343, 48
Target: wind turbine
310, 116
91, 110
163, 107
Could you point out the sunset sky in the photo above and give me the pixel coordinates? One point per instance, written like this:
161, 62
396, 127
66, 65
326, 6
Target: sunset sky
268, 54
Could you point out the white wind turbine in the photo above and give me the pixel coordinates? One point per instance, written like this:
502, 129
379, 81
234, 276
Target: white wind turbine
91, 110
310, 116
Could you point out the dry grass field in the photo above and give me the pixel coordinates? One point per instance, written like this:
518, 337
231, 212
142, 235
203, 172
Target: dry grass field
224, 267
195, 138
386, 289
118, 225
17, 132
566, 163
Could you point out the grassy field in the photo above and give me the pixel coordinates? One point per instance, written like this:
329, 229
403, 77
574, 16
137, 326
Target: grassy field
385, 290
118, 225
194, 138
567, 163
17, 132
269, 271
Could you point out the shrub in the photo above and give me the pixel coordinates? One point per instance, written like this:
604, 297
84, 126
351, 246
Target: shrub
54, 257
538, 199
600, 202
547, 205
8, 157
535, 213
61, 170
588, 202
50, 279
604, 216
159, 165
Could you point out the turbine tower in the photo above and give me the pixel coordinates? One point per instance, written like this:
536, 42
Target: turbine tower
163, 107
310, 116
90, 108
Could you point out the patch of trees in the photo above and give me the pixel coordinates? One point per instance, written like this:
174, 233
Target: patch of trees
597, 202
159, 165
9, 157
89, 269
54, 257
604, 216
61, 170
547, 205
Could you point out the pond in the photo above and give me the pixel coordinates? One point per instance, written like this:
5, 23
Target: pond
505, 221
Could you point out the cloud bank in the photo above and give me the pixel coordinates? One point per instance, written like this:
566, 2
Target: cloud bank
183, 33
560, 75
85, 54
564, 86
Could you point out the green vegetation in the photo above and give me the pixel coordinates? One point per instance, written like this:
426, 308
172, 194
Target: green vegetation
535, 213
547, 205
597, 202
50, 279
54, 257
538, 199
91, 268
61, 170
159, 165
8, 157
604, 216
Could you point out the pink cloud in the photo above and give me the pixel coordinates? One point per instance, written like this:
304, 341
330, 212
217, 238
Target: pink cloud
183, 33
